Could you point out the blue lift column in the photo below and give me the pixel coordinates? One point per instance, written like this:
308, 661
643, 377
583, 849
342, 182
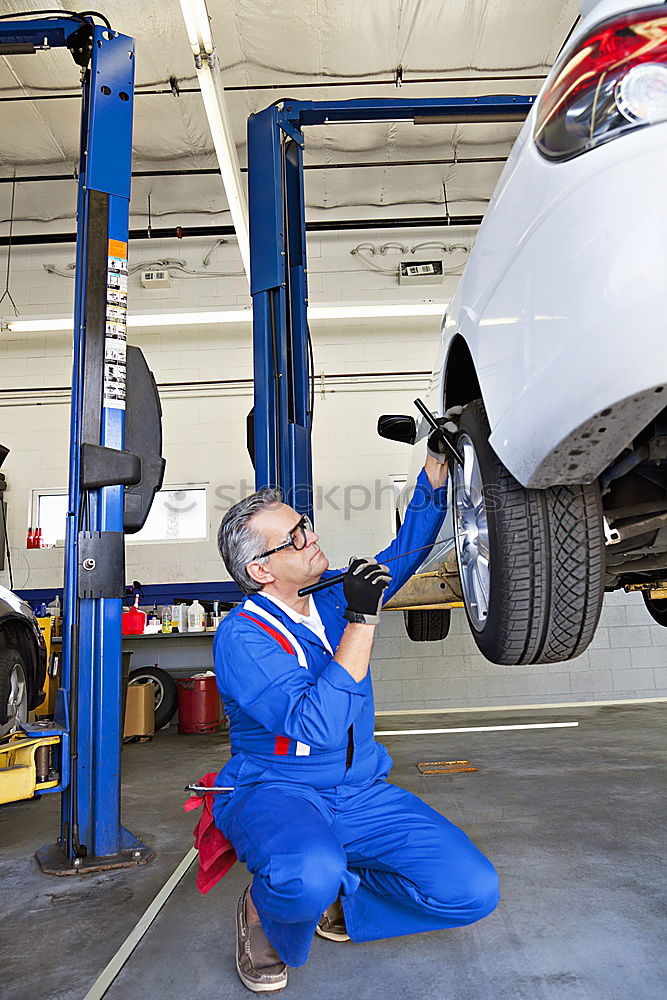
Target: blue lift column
89, 703
279, 285
91, 828
279, 292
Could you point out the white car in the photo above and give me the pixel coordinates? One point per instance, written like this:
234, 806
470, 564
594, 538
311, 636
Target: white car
556, 345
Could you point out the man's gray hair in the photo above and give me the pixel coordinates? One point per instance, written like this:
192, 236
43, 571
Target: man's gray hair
239, 543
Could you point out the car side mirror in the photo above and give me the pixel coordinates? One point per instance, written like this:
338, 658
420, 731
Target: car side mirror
397, 427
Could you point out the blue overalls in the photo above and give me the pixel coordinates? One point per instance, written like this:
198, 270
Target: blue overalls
312, 814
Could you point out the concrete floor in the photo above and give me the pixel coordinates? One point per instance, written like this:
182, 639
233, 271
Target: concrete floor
574, 820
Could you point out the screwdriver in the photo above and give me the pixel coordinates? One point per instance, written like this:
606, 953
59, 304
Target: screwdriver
339, 577
204, 789
430, 419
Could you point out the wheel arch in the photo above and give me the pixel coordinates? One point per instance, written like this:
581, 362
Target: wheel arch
460, 382
17, 634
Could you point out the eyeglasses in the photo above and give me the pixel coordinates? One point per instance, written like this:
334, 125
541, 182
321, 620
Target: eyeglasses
296, 538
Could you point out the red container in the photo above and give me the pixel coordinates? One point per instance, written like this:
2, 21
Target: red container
133, 622
198, 705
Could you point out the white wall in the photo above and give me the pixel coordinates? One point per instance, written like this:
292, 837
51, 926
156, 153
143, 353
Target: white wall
204, 434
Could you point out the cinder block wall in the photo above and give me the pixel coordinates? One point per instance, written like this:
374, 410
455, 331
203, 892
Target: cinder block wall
204, 434
627, 659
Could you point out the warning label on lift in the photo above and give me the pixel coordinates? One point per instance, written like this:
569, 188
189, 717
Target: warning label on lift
115, 346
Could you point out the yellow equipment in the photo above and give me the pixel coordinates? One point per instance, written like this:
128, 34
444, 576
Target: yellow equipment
26, 766
48, 706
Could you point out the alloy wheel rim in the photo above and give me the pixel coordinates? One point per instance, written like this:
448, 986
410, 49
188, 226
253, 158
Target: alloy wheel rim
472, 534
158, 694
17, 702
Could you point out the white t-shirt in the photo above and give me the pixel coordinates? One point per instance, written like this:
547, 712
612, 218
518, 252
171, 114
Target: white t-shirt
312, 620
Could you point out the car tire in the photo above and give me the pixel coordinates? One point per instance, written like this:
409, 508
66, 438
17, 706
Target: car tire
14, 692
544, 556
656, 607
427, 625
166, 692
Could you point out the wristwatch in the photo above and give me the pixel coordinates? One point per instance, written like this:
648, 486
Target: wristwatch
359, 619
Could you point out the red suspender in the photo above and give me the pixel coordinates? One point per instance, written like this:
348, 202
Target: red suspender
282, 742
284, 642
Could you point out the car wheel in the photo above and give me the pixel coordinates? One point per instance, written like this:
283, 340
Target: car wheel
166, 692
427, 626
531, 562
14, 693
656, 607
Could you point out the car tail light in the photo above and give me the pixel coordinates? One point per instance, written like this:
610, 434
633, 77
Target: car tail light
613, 80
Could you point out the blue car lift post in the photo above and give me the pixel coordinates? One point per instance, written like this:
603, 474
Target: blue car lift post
278, 273
88, 705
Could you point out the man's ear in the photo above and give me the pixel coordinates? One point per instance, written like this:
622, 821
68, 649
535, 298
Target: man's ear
260, 573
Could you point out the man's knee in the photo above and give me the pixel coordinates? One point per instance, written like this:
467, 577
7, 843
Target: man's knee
308, 881
483, 887
472, 890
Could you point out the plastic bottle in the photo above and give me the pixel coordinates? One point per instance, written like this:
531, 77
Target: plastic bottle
166, 620
54, 609
31, 539
153, 616
196, 617
182, 617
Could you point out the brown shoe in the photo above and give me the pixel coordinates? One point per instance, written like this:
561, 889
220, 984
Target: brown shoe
332, 923
257, 962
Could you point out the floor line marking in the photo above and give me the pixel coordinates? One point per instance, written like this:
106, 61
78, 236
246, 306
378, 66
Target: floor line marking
563, 706
110, 971
474, 729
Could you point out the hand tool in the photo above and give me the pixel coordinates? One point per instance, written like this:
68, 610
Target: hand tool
205, 789
339, 577
430, 419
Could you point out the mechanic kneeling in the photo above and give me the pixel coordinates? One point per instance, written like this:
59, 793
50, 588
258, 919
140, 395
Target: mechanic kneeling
333, 847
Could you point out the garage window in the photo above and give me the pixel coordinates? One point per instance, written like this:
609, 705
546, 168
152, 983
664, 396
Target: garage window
50, 514
178, 514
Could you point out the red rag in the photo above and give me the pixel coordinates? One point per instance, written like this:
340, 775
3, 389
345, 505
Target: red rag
216, 854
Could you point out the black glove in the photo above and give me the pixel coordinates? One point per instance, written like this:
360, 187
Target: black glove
363, 586
434, 445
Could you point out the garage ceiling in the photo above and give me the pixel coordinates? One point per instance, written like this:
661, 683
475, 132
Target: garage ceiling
309, 49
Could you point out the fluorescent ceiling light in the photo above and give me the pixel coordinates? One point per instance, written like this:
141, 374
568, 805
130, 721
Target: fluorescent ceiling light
142, 320
197, 25
195, 16
225, 151
204, 25
190, 319
39, 325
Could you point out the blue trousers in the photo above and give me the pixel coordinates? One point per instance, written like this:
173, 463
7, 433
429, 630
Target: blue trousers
399, 866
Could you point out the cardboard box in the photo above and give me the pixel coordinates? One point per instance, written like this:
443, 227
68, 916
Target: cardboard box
139, 711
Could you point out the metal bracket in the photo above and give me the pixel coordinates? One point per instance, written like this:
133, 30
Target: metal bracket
612, 536
289, 129
80, 44
101, 564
